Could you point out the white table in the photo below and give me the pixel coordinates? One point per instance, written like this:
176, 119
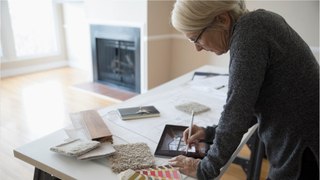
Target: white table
149, 130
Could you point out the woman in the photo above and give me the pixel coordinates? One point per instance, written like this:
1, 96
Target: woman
273, 80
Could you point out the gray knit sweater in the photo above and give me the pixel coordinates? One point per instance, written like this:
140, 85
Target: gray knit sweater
274, 80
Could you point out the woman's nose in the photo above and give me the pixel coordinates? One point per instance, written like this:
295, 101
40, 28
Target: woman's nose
198, 47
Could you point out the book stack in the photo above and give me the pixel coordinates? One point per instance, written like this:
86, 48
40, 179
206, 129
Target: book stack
90, 138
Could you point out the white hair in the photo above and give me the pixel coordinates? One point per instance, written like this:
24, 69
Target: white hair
194, 15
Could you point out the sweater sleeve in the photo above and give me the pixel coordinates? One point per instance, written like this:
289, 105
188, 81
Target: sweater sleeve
210, 132
248, 63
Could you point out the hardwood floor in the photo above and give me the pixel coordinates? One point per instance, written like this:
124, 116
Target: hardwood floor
34, 105
235, 172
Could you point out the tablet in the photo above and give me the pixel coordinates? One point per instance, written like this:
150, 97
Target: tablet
171, 144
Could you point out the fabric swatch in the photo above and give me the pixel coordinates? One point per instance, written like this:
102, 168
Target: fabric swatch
131, 156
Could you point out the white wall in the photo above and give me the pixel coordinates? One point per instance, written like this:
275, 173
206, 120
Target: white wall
302, 16
77, 36
129, 11
159, 42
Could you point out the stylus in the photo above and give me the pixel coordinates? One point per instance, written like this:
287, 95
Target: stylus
190, 130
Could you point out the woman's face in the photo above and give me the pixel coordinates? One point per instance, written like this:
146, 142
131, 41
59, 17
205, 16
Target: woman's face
211, 40
216, 41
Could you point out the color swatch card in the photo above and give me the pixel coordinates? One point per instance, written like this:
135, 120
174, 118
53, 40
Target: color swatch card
156, 173
162, 172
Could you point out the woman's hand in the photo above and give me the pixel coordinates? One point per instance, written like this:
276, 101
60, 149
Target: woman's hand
197, 134
186, 165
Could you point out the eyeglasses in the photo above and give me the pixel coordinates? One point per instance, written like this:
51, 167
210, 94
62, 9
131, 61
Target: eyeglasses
199, 36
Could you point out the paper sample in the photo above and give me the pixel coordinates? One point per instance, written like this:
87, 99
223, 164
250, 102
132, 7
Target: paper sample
104, 150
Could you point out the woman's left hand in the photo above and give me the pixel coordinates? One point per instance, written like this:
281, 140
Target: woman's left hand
186, 165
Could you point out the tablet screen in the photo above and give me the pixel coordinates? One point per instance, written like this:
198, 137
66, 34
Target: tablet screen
171, 144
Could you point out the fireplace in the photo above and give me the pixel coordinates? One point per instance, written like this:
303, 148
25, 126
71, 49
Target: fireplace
116, 56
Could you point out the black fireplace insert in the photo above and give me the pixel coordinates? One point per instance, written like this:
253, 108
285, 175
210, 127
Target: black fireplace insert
116, 56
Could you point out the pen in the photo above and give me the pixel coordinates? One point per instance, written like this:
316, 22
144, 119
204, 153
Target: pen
190, 130
208, 74
220, 87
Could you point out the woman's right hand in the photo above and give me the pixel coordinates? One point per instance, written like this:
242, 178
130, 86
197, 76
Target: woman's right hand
197, 134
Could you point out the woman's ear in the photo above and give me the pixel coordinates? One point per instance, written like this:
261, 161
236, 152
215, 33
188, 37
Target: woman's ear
224, 19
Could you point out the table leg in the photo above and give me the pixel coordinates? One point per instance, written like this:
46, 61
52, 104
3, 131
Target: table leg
41, 175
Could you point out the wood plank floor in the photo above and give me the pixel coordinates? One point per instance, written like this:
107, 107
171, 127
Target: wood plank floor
34, 105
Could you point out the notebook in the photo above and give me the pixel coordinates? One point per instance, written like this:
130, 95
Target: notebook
138, 112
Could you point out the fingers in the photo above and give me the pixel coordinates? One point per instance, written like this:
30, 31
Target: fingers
177, 161
186, 165
193, 133
193, 139
181, 160
177, 158
197, 134
185, 135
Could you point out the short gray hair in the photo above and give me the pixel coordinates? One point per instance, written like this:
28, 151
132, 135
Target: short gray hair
194, 15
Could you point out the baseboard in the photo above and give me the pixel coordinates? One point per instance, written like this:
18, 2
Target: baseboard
32, 69
80, 65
